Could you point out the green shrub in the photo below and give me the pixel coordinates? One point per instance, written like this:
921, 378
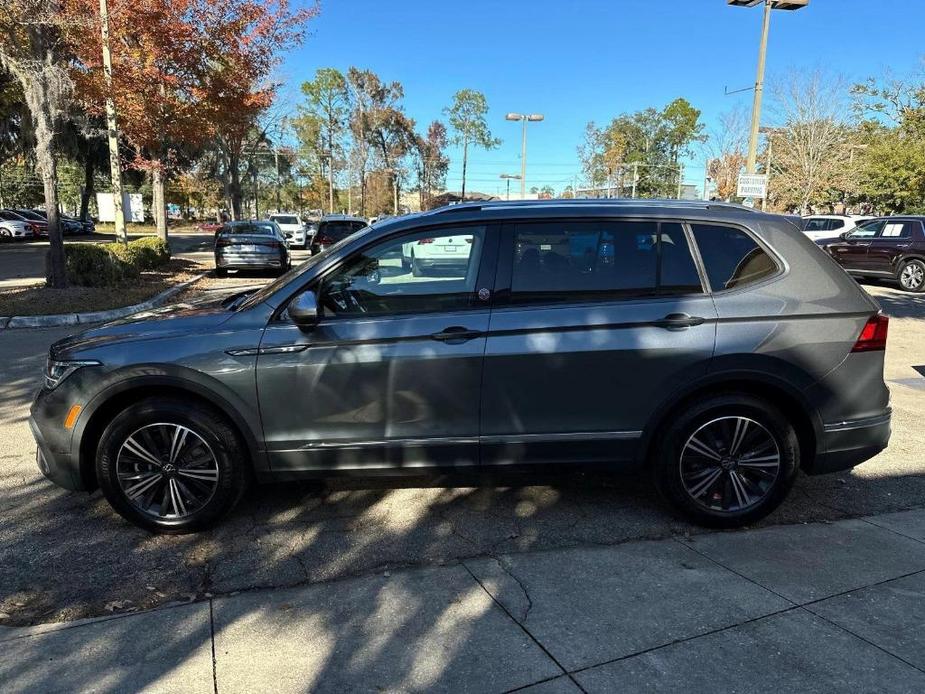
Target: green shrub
152, 252
127, 254
96, 265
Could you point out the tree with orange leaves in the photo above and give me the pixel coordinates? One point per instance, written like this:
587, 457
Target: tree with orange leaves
185, 73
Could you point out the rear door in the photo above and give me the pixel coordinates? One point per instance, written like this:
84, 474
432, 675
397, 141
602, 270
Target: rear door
886, 249
595, 324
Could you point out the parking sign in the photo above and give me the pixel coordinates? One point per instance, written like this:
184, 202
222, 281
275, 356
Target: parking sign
753, 186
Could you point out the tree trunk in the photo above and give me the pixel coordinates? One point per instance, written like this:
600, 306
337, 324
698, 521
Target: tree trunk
87, 191
234, 188
55, 270
465, 157
158, 185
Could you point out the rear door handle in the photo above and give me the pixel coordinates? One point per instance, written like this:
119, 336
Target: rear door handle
678, 321
455, 335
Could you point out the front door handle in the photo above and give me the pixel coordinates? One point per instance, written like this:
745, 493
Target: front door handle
678, 321
456, 335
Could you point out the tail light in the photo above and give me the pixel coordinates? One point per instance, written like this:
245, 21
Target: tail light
421, 242
33, 229
873, 335
272, 243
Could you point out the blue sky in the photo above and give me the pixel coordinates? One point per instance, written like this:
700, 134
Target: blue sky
592, 60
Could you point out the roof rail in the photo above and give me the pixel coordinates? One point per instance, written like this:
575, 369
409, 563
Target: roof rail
598, 202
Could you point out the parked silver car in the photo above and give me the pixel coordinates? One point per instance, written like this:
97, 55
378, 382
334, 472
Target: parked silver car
716, 346
251, 245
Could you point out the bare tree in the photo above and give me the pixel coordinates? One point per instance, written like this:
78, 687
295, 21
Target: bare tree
725, 151
812, 149
30, 49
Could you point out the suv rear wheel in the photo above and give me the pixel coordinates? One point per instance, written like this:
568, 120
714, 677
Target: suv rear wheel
728, 460
912, 275
171, 467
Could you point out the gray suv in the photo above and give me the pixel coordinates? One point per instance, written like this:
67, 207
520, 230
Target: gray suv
716, 346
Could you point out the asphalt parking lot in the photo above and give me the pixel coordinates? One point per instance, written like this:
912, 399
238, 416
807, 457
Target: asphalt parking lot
66, 555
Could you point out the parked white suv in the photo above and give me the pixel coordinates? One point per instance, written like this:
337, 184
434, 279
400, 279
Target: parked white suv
825, 227
292, 228
13, 228
433, 255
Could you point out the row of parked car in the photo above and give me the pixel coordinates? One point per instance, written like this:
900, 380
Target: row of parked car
264, 244
23, 224
890, 248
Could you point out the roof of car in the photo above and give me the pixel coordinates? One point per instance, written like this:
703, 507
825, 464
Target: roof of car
341, 218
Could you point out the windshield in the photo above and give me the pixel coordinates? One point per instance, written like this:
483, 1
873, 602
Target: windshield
284, 219
29, 215
295, 273
255, 228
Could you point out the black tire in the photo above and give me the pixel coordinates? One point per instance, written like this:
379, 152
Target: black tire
912, 276
208, 434
720, 504
221, 272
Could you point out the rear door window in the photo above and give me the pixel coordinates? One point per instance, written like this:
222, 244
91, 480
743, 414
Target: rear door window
558, 262
731, 257
895, 230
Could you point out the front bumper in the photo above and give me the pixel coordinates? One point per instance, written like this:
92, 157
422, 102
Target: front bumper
847, 444
56, 464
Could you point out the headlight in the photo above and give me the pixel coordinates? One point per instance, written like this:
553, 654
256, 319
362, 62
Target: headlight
57, 371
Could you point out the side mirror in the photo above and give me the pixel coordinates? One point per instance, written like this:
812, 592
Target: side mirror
303, 310
844, 235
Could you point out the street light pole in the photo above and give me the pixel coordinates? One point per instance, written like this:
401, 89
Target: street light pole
509, 178
759, 89
762, 54
523, 118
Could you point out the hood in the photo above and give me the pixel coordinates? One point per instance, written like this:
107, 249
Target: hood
185, 318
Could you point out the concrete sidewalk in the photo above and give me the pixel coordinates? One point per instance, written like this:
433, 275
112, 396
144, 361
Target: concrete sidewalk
812, 608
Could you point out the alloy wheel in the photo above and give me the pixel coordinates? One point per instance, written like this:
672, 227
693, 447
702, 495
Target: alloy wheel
912, 276
167, 471
730, 464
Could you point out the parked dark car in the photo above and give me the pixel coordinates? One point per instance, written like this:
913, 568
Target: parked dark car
713, 345
887, 248
333, 228
251, 245
69, 225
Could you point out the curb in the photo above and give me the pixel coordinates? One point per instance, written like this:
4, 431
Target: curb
10, 323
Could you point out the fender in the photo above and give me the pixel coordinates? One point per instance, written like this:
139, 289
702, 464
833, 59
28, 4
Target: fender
748, 369
244, 415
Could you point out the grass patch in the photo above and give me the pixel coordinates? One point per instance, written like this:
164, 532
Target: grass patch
42, 301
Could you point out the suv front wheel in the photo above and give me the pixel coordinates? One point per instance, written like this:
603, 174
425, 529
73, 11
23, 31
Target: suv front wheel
728, 460
171, 466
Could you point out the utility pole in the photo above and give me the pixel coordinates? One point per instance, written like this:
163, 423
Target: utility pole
112, 129
635, 177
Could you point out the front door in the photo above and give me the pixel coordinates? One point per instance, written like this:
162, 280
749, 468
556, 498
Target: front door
852, 251
603, 320
391, 375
